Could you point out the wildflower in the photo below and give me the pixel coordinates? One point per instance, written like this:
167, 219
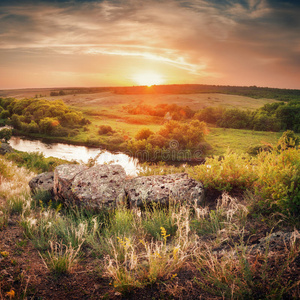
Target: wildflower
11, 294
4, 253
164, 233
175, 253
142, 242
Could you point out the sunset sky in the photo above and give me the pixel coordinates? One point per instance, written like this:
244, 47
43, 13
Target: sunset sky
132, 42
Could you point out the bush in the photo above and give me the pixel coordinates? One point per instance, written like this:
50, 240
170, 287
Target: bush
288, 140
278, 180
4, 114
117, 139
254, 150
105, 129
235, 118
143, 134
5, 134
232, 171
273, 176
210, 114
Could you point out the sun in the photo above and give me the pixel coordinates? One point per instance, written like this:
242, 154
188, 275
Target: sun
148, 78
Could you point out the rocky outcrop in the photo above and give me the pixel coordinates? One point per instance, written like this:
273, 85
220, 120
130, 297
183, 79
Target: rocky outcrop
276, 241
99, 186
5, 148
63, 178
42, 182
161, 188
107, 186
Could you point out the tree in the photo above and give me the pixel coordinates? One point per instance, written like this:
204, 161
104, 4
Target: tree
5, 134
143, 134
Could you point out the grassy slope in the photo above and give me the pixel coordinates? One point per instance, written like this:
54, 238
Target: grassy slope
96, 108
107, 108
238, 140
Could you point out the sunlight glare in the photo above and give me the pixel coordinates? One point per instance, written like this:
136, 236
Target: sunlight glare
149, 79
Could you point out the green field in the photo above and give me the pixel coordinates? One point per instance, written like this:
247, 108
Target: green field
239, 140
109, 108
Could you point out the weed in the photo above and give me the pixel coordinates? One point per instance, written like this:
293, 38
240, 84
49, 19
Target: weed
61, 258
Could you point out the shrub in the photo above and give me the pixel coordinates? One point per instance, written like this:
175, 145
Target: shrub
254, 150
105, 129
5, 134
4, 114
143, 134
278, 180
231, 171
210, 114
288, 140
235, 118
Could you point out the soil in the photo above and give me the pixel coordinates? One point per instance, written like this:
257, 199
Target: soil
23, 270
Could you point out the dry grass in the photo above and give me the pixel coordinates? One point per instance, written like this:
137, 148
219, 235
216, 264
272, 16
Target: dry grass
13, 180
137, 248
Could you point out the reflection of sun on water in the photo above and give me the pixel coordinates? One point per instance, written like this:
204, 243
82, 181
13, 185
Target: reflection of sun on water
149, 78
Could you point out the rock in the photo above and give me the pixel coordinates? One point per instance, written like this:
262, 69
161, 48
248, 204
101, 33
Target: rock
43, 181
99, 186
63, 178
5, 148
160, 188
276, 241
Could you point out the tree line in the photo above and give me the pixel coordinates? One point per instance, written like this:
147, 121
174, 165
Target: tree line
40, 116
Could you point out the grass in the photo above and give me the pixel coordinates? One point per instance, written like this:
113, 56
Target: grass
108, 109
35, 161
60, 259
157, 245
238, 140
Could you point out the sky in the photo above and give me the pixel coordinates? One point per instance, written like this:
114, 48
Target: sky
141, 42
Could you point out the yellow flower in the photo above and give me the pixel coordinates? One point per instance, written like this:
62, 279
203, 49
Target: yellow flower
142, 242
175, 251
11, 294
157, 254
164, 233
4, 253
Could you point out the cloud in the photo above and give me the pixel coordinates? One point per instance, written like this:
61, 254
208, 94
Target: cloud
204, 38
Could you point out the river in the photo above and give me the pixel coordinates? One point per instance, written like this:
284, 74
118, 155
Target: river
78, 153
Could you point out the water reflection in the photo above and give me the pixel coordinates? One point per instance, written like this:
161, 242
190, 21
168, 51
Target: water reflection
78, 153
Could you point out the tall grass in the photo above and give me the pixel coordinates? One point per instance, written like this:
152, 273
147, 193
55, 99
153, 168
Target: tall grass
274, 176
35, 161
139, 247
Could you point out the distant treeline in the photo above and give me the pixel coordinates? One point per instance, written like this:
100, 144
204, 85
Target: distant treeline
249, 91
175, 111
41, 116
271, 117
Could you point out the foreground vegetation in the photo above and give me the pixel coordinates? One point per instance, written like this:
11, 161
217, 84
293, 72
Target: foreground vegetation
178, 251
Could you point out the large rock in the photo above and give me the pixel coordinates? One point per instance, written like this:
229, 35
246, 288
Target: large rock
99, 186
161, 188
42, 182
63, 179
5, 148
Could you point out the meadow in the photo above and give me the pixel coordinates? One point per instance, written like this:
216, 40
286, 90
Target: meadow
242, 243
109, 108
